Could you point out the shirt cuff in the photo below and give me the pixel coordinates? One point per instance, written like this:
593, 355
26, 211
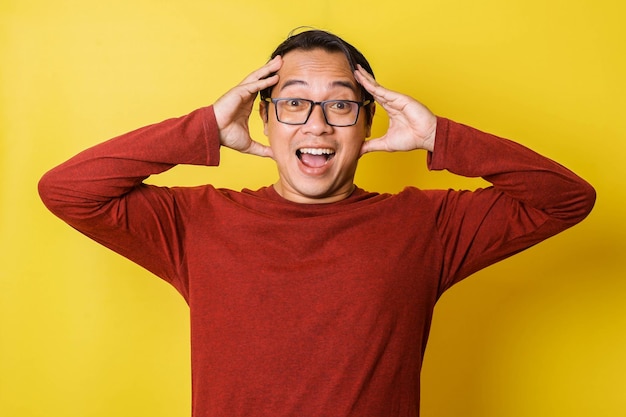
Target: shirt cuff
212, 137
436, 159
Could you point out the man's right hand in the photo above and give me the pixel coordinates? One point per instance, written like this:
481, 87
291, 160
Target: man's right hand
233, 109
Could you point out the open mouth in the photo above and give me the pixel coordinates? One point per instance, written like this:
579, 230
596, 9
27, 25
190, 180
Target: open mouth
315, 157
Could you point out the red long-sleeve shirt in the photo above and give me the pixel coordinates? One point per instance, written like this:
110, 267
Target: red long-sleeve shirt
310, 310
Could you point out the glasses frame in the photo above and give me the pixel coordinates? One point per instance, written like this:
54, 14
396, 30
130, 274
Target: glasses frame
317, 103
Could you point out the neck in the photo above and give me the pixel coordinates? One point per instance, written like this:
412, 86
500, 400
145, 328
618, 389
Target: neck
304, 199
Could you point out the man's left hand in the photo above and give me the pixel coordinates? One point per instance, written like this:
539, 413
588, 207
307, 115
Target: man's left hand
411, 124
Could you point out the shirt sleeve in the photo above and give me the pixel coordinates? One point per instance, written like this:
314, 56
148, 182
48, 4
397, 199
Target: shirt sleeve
531, 198
101, 193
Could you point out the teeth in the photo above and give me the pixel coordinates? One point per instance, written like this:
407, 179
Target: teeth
317, 151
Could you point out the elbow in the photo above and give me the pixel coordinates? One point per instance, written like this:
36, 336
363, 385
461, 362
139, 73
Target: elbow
45, 188
588, 199
571, 202
581, 203
54, 192
66, 196
50, 192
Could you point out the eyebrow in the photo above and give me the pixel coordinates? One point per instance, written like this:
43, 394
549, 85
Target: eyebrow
339, 83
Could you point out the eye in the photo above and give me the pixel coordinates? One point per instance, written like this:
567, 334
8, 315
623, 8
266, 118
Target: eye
294, 103
340, 106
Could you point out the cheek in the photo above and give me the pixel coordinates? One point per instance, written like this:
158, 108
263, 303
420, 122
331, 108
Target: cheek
357, 139
279, 136
355, 151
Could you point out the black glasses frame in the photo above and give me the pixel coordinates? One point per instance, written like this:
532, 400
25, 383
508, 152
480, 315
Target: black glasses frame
317, 103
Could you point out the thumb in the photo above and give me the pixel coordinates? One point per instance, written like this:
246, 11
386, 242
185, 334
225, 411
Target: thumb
374, 145
258, 149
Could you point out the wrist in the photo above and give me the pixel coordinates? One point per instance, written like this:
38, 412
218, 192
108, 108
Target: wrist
431, 136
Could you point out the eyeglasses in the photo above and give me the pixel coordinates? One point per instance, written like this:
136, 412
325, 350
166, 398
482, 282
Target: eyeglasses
296, 111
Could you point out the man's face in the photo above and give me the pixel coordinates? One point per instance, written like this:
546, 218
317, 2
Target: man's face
305, 176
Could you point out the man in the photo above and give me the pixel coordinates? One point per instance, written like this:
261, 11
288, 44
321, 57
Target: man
312, 297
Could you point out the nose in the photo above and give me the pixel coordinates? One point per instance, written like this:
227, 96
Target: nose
317, 122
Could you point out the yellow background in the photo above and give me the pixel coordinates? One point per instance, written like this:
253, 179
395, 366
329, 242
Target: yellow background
85, 333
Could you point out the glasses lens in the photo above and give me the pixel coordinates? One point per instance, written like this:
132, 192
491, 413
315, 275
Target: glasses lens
341, 112
293, 110
296, 111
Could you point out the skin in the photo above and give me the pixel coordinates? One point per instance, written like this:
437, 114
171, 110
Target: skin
319, 75
316, 75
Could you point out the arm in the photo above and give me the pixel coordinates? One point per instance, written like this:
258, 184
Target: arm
101, 192
531, 198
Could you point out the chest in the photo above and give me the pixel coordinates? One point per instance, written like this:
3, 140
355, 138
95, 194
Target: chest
356, 263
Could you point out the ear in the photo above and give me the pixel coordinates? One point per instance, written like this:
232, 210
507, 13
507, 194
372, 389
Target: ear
263, 112
370, 119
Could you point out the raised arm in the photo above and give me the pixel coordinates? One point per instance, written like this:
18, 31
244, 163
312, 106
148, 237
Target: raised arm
531, 197
101, 191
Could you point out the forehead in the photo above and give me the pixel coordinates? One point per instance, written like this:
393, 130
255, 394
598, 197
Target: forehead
316, 69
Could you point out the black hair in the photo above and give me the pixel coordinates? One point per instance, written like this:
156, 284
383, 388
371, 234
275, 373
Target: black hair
319, 39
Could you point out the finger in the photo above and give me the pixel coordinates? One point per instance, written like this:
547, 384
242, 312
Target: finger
374, 145
366, 79
363, 76
256, 86
258, 149
260, 79
272, 66
382, 95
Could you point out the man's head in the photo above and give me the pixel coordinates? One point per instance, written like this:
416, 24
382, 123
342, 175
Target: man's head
316, 117
319, 39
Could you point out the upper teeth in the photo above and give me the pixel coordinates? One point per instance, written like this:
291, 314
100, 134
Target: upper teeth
317, 151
